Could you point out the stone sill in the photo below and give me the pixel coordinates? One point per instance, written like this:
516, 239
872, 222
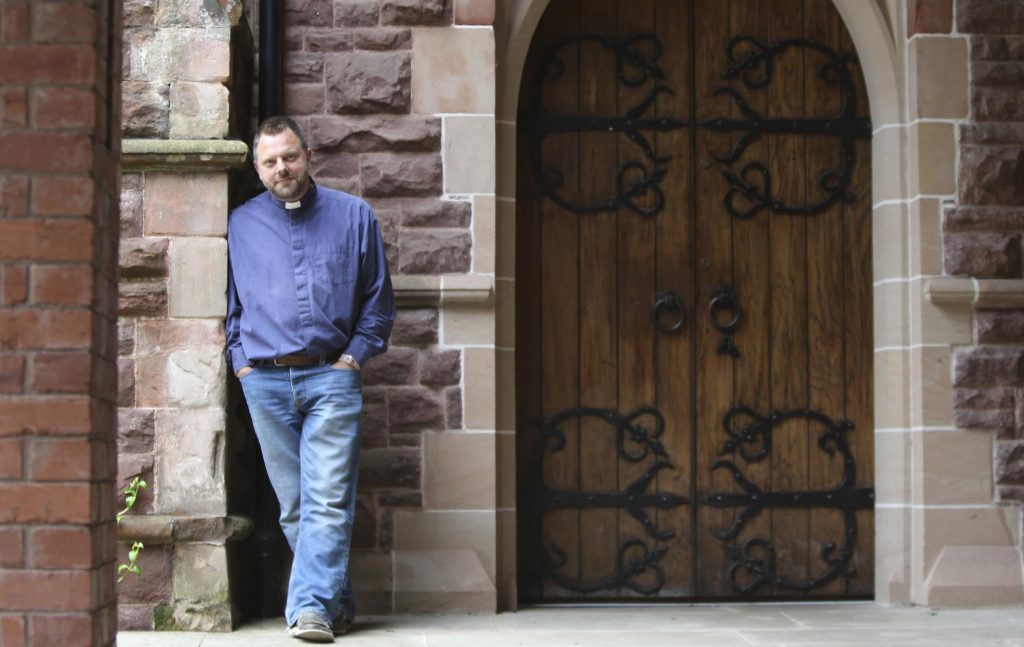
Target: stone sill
183, 155
414, 290
156, 529
981, 293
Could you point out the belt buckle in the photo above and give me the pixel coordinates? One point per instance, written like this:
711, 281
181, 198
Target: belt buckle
276, 362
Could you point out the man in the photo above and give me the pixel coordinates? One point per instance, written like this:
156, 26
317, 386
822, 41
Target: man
309, 301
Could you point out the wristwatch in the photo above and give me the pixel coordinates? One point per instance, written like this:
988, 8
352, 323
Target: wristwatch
351, 361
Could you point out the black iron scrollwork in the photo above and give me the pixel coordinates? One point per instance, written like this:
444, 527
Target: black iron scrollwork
723, 300
753, 183
637, 433
636, 63
753, 562
667, 303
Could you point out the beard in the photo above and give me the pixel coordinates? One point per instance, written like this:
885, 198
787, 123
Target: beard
290, 188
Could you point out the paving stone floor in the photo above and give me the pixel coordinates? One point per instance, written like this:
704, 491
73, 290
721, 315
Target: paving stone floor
774, 625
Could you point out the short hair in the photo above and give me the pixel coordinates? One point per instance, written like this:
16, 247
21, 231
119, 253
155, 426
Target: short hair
275, 125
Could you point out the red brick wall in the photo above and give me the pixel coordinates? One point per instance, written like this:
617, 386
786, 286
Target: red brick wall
59, 149
983, 233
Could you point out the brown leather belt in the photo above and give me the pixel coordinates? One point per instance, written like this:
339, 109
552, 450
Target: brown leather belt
299, 360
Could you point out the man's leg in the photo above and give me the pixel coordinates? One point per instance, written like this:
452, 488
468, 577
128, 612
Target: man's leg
329, 455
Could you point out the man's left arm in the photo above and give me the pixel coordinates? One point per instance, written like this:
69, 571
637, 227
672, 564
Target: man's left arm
377, 312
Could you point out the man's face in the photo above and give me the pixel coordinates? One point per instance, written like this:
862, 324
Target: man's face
282, 165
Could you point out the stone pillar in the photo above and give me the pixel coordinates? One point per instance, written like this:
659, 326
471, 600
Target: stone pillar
180, 95
60, 69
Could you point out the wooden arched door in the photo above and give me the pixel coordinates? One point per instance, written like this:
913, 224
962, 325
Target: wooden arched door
693, 290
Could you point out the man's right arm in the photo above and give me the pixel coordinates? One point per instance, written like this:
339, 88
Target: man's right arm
233, 324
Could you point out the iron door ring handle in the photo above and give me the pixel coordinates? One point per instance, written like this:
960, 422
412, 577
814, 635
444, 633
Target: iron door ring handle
725, 301
668, 301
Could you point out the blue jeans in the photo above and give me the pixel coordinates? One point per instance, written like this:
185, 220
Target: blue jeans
307, 422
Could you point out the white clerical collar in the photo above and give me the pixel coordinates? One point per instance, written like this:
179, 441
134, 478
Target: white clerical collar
293, 205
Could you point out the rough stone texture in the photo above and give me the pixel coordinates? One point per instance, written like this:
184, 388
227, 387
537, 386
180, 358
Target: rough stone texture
983, 255
370, 134
330, 40
304, 68
453, 408
198, 13
135, 428
929, 17
987, 366
154, 585
362, 82
374, 430
389, 468
1009, 464
134, 617
125, 382
415, 12
125, 336
186, 204
1000, 326
480, 12
434, 251
397, 366
142, 298
441, 367
997, 48
984, 219
1001, 420
199, 111
414, 409
401, 174
198, 277
995, 104
131, 205
436, 213
992, 133
356, 13
143, 257
145, 109
304, 98
190, 461
990, 16
992, 175
997, 398
314, 13
382, 39
139, 13
415, 327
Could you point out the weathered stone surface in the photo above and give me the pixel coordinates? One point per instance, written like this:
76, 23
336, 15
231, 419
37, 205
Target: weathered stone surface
453, 408
142, 298
1010, 493
143, 257
412, 409
997, 104
382, 39
929, 16
192, 377
397, 366
139, 13
125, 337
389, 224
415, 327
313, 13
1001, 420
304, 68
198, 13
361, 82
154, 585
980, 366
364, 529
436, 213
992, 133
480, 12
1000, 326
400, 499
415, 12
200, 573
128, 467
198, 277
186, 204
441, 367
125, 382
984, 218
356, 13
190, 461
135, 429
990, 16
997, 48
990, 398
199, 111
983, 255
434, 251
992, 175
171, 55
997, 73
134, 617
304, 98
328, 40
1010, 463
145, 109
389, 468
374, 430
400, 174
156, 337
335, 165
368, 134
131, 205
294, 37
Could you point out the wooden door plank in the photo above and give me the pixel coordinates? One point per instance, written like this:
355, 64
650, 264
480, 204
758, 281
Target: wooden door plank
636, 286
859, 320
826, 291
559, 261
713, 243
751, 258
597, 303
674, 354
788, 236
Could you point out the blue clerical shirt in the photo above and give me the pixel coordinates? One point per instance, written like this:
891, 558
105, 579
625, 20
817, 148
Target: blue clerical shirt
308, 280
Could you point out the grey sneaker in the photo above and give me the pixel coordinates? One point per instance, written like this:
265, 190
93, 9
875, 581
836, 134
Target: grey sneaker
310, 626
341, 624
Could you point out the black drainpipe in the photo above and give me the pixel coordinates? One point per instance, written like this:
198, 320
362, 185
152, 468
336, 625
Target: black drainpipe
270, 545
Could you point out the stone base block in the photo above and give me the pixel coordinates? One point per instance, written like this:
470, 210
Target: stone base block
371, 575
192, 616
976, 576
442, 581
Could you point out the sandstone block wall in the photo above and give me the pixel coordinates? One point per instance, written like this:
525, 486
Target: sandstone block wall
983, 233
60, 68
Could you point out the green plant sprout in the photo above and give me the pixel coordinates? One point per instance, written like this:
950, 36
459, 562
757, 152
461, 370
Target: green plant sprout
131, 495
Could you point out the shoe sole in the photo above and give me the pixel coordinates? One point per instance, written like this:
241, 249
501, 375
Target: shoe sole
312, 635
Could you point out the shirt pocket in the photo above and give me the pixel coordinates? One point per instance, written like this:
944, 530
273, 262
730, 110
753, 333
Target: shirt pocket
334, 267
